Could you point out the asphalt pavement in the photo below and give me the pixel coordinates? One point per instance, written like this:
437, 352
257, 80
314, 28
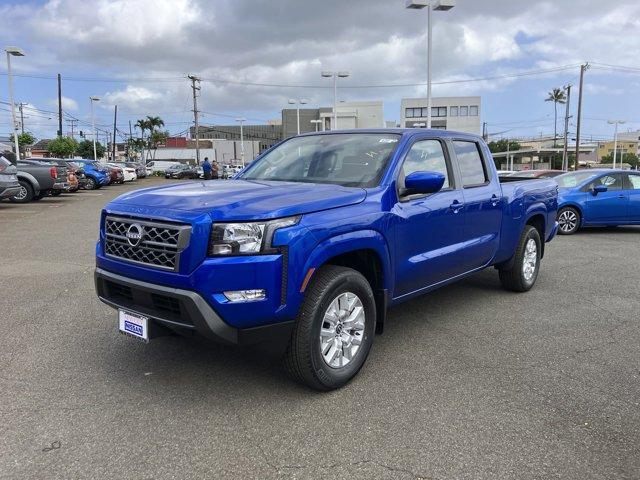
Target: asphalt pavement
468, 382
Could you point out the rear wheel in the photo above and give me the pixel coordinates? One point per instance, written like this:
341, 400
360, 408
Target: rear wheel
568, 221
25, 194
334, 330
90, 184
523, 273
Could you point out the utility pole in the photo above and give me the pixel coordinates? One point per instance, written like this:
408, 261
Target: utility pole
615, 140
509, 166
71, 123
565, 148
59, 106
20, 105
583, 68
130, 140
113, 146
196, 88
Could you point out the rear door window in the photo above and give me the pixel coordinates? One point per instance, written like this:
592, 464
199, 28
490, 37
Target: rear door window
472, 167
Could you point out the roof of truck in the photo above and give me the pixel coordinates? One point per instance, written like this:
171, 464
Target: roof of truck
400, 131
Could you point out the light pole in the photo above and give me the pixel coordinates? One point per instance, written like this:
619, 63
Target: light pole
335, 75
297, 103
15, 52
615, 139
440, 5
316, 122
241, 120
93, 127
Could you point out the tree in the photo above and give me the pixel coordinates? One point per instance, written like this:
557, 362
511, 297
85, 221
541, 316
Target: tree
85, 149
62, 147
501, 145
155, 138
143, 125
25, 139
630, 158
556, 96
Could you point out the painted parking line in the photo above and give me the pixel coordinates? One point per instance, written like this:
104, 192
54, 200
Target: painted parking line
91, 194
2, 212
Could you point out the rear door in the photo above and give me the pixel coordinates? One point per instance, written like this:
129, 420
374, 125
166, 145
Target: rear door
607, 207
633, 184
482, 203
429, 227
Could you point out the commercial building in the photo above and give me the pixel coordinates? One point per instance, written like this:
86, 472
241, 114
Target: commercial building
624, 146
460, 114
266, 135
363, 114
223, 151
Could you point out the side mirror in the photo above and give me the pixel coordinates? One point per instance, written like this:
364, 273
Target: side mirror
424, 182
599, 189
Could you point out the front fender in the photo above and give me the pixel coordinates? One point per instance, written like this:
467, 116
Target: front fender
349, 242
29, 178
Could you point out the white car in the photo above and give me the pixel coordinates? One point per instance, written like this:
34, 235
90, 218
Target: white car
129, 173
159, 166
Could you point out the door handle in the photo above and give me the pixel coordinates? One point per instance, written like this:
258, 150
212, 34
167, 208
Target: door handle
494, 200
621, 196
456, 206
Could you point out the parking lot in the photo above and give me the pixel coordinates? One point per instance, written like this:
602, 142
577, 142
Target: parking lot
470, 381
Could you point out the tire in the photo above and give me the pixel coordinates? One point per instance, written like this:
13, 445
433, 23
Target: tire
55, 193
568, 221
524, 271
26, 193
40, 196
90, 183
304, 359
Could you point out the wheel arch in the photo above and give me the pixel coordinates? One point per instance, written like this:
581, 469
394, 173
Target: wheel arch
33, 181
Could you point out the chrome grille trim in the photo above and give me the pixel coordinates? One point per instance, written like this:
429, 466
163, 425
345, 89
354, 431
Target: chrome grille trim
160, 245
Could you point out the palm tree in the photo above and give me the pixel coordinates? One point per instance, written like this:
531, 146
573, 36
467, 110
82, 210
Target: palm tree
143, 125
152, 124
556, 96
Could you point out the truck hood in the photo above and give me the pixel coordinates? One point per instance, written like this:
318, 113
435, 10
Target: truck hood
244, 199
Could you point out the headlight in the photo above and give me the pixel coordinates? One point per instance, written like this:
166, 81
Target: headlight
245, 238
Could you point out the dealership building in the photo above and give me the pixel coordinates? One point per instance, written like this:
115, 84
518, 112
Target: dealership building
460, 114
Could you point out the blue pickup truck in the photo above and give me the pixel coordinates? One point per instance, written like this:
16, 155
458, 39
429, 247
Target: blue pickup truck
311, 243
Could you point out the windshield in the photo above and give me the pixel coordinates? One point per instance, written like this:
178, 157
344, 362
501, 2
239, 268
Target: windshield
569, 180
348, 159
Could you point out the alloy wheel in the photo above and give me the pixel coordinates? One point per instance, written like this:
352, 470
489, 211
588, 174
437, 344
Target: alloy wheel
567, 221
342, 330
530, 260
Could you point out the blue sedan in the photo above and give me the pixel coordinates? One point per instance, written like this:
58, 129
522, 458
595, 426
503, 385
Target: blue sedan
601, 197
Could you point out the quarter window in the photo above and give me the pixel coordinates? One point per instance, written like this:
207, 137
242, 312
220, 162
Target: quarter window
471, 165
426, 155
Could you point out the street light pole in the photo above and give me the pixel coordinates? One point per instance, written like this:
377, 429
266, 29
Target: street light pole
16, 52
335, 75
297, 103
316, 122
241, 120
441, 5
93, 127
615, 123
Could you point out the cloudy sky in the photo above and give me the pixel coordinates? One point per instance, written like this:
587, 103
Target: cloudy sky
137, 53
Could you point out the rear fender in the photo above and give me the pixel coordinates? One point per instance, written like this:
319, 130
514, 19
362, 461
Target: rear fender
27, 177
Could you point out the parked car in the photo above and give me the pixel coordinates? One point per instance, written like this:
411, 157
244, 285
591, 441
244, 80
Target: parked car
312, 243
598, 197
128, 173
72, 172
141, 170
159, 166
96, 175
537, 173
181, 170
38, 179
9, 185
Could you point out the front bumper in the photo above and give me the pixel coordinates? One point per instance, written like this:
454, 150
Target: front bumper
182, 310
9, 191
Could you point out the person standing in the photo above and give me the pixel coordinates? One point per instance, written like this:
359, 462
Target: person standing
206, 168
215, 170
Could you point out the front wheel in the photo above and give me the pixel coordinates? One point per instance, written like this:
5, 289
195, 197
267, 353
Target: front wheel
568, 221
524, 271
25, 194
334, 330
90, 184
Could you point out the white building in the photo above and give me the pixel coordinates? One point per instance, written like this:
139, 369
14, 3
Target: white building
224, 151
366, 114
460, 114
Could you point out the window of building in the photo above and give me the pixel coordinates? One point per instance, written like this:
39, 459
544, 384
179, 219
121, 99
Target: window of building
438, 111
464, 111
413, 112
453, 111
471, 165
426, 155
473, 111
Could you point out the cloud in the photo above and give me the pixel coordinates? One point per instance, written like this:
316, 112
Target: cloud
68, 104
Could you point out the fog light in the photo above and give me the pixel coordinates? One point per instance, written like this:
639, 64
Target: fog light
245, 295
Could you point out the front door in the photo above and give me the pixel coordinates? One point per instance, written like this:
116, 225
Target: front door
611, 206
429, 228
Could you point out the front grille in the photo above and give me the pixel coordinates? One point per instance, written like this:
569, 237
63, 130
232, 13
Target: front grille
150, 243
